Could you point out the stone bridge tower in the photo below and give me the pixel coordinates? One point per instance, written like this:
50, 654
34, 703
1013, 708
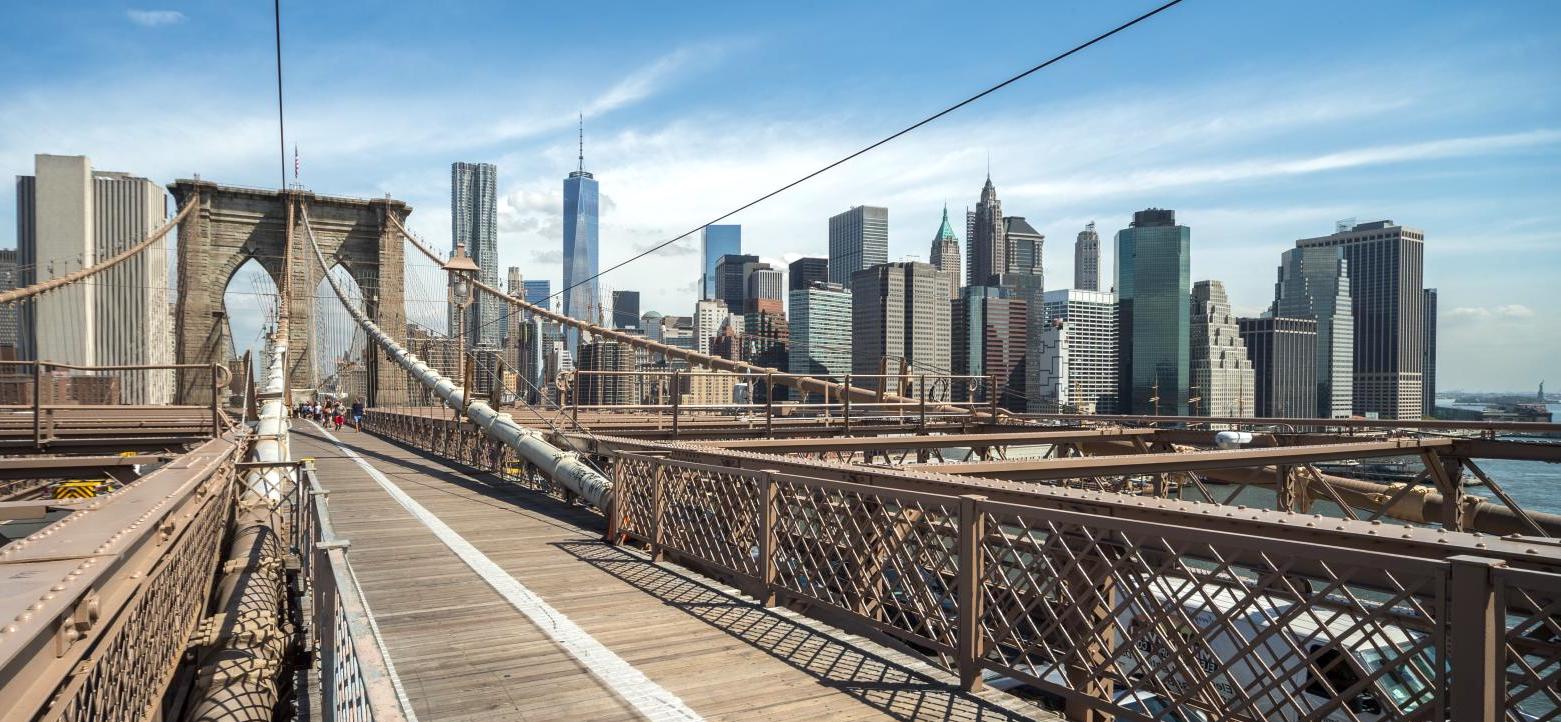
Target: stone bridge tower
231, 225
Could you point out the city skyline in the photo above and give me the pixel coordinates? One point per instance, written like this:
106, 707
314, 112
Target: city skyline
1277, 170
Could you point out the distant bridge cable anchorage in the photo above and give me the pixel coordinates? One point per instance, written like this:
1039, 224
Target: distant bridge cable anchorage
924, 121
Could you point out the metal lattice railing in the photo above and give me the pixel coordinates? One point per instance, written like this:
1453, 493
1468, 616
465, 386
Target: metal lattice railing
1120, 616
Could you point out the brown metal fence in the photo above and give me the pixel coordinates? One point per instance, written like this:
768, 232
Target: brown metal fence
1119, 616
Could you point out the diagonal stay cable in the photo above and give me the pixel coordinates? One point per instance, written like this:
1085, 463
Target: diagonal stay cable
875, 144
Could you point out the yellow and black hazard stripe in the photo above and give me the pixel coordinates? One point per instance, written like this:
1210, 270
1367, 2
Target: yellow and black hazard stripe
77, 489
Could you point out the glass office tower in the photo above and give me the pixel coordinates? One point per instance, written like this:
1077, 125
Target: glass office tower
1154, 313
580, 249
717, 241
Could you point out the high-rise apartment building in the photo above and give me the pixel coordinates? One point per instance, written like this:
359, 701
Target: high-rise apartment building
709, 314
986, 248
1284, 356
613, 384
804, 272
581, 205
820, 330
1024, 245
715, 242
1086, 259
1090, 382
1222, 378
944, 255
901, 311
1386, 270
1314, 283
988, 331
858, 239
1428, 366
1153, 280
626, 309
474, 224
69, 216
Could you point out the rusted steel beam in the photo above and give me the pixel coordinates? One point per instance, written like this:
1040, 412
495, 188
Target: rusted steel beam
1046, 469
56, 467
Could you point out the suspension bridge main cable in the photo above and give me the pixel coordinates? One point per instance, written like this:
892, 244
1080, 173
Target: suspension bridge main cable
875, 144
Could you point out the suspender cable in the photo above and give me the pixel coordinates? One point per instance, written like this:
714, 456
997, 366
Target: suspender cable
565, 468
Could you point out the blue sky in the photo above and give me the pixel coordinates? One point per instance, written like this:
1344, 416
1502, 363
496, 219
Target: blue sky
1260, 123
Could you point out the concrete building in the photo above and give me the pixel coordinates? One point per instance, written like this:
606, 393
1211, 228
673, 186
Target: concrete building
509, 316
766, 333
582, 300
1086, 259
474, 223
1284, 357
986, 248
1428, 366
804, 272
709, 314
69, 216
765, 284
1222, 377
1386, 269
1089, 383
708, 388
901, 311
988, 331
1025, 246
944, 255
626, 309
858, 239
820, 328
1153, 282
1314, 283
715, 242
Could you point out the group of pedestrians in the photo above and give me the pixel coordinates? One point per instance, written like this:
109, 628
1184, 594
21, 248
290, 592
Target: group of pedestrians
331, 413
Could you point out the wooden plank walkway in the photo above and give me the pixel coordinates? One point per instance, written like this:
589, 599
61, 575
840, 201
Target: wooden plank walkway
464, 652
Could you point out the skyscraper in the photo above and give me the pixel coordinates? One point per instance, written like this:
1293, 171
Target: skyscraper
626, 309
900, 311
709, 314
986, 247
1153, 283
945, 253
1086, 259
581, 299
731, 279
714, 242
473, 222
820, 330
804, 272
10, 326
509, 316
1024, 245
1221, 373
1090, 384
1428, 379
858, 239
70, 216
1386, 271
538, 291
1284, 357
1314, 283
764, 284
988, 331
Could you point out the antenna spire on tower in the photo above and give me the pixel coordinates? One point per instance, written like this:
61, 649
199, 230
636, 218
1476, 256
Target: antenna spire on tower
582, 143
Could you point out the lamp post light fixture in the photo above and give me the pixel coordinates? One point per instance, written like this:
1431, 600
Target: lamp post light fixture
463, 270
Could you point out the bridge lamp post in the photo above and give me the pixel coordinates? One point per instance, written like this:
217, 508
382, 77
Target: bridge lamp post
463, 270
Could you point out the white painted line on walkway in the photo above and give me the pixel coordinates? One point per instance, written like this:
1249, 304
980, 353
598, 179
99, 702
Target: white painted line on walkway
631, 685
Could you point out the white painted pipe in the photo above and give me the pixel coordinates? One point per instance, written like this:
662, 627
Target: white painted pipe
564, 467
271, 429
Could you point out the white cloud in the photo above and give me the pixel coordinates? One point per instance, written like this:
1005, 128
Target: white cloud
1507, 312
155, 18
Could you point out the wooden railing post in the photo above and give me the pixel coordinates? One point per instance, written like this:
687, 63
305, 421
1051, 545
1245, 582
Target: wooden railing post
769, 405
677, 395
38, 404
922, 426
768, 509
216, 403
614, 509
845, 402
972, 530
1477, 641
